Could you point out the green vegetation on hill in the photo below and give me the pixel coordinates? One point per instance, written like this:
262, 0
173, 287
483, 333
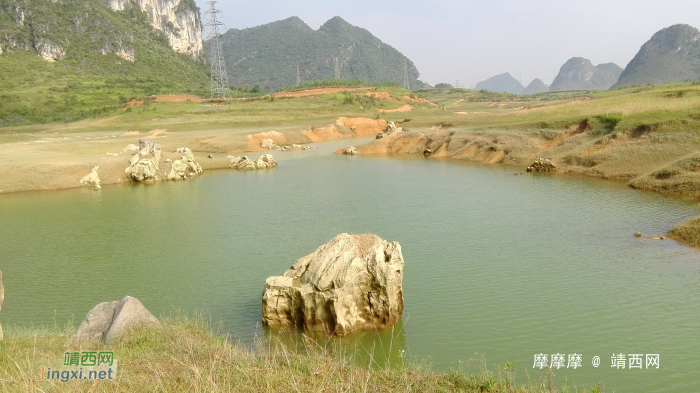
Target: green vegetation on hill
83, 82
671, 55
268, 55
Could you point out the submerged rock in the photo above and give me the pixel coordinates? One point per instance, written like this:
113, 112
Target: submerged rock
352, 283
91, 179
107, 321
185, 167
244, 163
143, 166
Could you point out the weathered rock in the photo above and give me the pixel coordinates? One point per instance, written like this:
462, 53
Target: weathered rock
427, 152
131, 148
143, 166
268, 144
210, 156
350, 151
541, 165
91, 179
352, 283
638, 234
294, 147
107, 321
185, 167
381, 135
2, 297
246, 164
390, 126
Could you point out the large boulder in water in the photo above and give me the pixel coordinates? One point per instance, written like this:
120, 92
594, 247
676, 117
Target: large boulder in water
352, 283
143, 166
107, 321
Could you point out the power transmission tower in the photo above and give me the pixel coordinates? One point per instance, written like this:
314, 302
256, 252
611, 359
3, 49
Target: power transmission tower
337, 69
298, 75
219, 79
406, 85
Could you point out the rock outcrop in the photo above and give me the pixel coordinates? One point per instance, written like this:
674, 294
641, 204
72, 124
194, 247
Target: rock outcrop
352, 283
107, 321
177, 19
185, 167
144, 165
268, 144
541, 165
244, 163
2, 297
91, 179
294, 147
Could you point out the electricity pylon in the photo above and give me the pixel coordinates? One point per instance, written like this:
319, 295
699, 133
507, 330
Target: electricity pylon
406, 85
219, 79
298, 75
337, 69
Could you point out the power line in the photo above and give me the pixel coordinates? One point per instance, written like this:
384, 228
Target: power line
219, 79
406, 85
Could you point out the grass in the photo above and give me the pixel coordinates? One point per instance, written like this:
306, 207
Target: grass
687, 232
185, 354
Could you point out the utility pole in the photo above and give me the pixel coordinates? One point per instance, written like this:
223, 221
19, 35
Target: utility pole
219, 79
406, 83
337, 69
298, 75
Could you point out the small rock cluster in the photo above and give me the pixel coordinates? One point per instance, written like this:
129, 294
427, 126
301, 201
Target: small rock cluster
268, 144
144, 165
185, 167
294, 147
246, 164
350, 151
541, 165
390, 128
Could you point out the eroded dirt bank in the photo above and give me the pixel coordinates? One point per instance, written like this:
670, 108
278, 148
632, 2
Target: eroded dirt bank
52, 162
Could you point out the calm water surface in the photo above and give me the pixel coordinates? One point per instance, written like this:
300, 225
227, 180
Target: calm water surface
497, 265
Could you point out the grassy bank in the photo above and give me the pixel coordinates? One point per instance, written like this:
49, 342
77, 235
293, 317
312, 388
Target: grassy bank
186, 355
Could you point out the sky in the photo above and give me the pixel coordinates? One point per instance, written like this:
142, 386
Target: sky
467, 41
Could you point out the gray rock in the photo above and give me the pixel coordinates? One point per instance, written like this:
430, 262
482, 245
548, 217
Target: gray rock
143, 166
107, 321
350, 151
352, 283
91, 179
268, 144
185, 167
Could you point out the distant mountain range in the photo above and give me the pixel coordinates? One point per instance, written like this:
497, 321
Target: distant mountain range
501, 83
671, 55
580, 74
536, 86
270, 55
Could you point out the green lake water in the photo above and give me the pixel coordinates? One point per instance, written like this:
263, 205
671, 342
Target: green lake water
497, 265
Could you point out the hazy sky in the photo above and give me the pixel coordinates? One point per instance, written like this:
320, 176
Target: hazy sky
469, 41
